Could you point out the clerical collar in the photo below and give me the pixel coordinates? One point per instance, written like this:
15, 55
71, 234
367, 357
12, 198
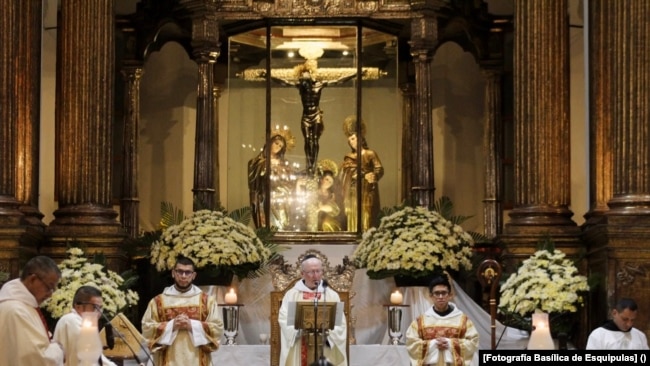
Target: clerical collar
445, 312
610, 325
313, 289
182, 291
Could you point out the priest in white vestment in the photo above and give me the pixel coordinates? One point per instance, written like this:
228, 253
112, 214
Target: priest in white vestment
25, 335
182, 324
87, 299
619, 333
294, 351
443, 335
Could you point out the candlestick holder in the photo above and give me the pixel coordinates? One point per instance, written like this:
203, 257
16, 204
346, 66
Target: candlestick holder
231, 322
395, 323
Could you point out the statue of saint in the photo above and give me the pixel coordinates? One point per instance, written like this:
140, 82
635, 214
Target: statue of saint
371, 172
278, 186
310, 87
324, 210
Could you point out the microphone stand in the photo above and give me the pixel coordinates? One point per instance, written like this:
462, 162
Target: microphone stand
320, 361
121, 336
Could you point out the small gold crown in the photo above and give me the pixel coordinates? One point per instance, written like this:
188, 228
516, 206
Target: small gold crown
326, 165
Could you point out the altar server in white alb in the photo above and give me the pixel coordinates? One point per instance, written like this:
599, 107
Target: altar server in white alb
182, 324
87, 299
295, 351
618, 332
26, 339
443, 335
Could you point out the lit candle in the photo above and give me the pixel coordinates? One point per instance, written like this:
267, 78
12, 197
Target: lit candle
540, 337
89, 346
396, 298
231, 297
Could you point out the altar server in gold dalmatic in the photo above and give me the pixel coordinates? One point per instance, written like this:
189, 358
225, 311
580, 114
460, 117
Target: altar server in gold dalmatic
443, 335
182, 324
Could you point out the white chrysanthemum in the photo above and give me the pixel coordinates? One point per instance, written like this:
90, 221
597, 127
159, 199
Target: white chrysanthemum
76, 271
545, 281
413, 241
209, 238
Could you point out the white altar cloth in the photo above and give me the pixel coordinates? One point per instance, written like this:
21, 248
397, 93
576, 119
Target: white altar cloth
260, 355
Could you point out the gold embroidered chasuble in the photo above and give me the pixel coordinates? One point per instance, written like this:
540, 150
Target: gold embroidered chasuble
178, 347
455, 327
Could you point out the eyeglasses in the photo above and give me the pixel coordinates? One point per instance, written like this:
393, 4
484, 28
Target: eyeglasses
49, 287
183, 273
314, 272
439, 293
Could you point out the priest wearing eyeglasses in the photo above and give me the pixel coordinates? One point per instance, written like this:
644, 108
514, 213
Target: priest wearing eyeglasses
26, 339
443, 335
297, 347
182, 325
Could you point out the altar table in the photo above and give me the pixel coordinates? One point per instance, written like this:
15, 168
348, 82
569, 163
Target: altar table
260, 355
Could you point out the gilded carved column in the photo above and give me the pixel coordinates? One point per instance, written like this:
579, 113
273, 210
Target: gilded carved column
216, 94
492, 146
205, 44
541, 86
27, 96
20, 27
424, 36
600, 108
9, 25
620, 100
631, 107
204, 151
84, 125
408, 117
130, 200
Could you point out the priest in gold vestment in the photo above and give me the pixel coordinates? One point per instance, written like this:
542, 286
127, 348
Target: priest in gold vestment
182, 325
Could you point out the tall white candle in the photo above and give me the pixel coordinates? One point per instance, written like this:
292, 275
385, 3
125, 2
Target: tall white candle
89, 346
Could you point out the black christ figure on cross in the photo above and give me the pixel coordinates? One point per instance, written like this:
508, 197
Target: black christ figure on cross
310, 88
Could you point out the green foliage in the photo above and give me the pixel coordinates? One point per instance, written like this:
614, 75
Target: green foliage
170, 215
242, 215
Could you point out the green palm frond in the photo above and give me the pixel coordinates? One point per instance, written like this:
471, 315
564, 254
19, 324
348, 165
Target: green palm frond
445, 207
387, 211
170, 215
130, 279
242, 215
265, 234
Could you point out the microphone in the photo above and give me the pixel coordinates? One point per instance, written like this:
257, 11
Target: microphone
322, 360
110, 337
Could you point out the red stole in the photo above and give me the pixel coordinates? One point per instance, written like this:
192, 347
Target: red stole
47, 329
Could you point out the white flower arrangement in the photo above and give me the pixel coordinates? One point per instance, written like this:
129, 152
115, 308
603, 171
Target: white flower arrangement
547, 281
414, 242
77, 271
211, 239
